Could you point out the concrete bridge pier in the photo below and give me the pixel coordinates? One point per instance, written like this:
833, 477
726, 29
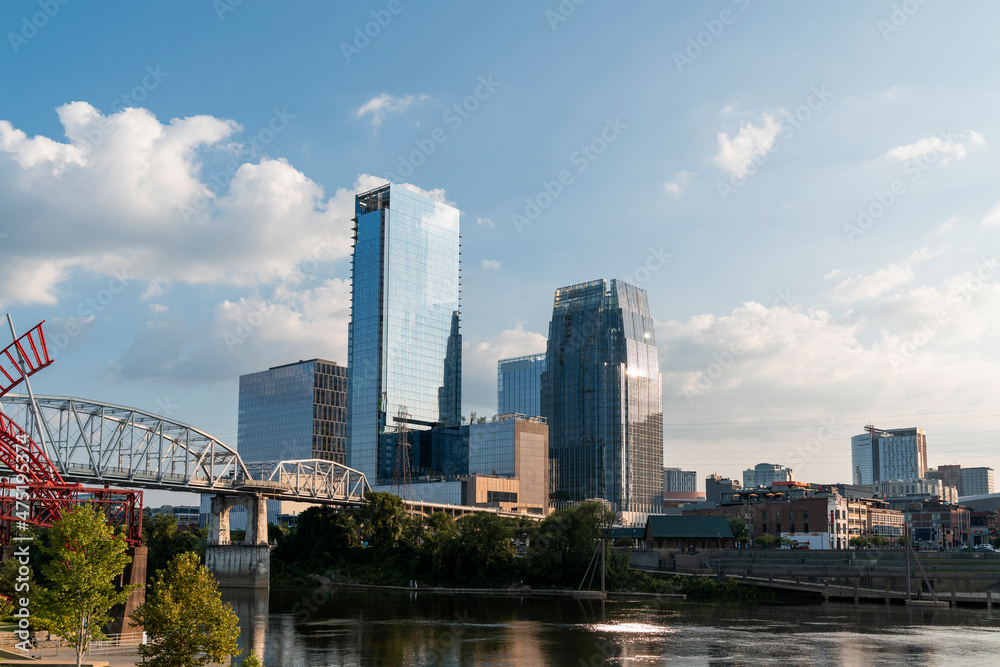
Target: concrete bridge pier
243, 565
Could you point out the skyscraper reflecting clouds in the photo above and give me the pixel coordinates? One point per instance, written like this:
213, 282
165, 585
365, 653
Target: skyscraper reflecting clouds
602, 396
405, 347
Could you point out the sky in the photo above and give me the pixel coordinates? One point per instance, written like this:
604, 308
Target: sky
807, 192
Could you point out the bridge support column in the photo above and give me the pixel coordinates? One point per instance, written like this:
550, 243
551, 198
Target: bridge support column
989, 599
246, 565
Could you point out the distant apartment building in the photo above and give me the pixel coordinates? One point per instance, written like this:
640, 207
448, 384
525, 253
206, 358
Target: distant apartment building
976, 481
675, 479
916, 489
720, 489
938, 526
294, 411
765, 474
519, 385
951, 475
882, 454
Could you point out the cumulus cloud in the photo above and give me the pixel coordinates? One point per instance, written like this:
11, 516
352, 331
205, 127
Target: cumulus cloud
951, 146
484, 222
385, 104
490, 265
240, 336
127, 193
882, 281
479, 361
675, 187
737, 153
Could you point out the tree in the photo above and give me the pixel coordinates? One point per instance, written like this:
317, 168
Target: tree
483, 551
383, 518
86, 558
564, 544
738, 525
185, 617
251, 661
161, 536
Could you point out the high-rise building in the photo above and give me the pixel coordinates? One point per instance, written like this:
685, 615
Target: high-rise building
519, 385
601, 395
675, 479
882, 454
513, 447
294, 411
405, 348
765, 474
951, 475
976, 481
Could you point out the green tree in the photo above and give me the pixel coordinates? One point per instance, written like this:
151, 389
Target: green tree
482, 552
86, 558
185, 617
766, 541
251, 661
739, 526
320, 534
383, 518
564, 543
164, 540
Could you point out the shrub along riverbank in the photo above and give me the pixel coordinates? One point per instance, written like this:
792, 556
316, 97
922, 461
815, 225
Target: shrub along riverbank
381, 545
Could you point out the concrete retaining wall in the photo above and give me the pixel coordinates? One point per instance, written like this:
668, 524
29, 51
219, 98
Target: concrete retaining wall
240, 565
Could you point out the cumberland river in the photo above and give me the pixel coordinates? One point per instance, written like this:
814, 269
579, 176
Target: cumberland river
387, 628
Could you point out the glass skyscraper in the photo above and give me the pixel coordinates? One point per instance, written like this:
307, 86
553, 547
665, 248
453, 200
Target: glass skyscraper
602, 397
519, 385
405, 347
295, 411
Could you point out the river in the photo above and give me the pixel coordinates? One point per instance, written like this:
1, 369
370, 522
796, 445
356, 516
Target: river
355, 627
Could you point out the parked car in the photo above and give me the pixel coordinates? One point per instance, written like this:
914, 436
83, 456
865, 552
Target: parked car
983, 547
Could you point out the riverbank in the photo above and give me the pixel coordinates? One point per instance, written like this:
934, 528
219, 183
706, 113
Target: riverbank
520, 591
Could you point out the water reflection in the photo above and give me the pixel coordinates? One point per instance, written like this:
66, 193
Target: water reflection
351, 627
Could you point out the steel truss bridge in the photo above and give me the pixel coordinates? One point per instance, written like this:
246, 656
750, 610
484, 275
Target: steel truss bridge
91, 442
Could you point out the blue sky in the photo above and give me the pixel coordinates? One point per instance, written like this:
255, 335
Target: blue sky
176, 183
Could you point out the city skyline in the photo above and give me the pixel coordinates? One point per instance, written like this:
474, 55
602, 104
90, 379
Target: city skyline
807, 198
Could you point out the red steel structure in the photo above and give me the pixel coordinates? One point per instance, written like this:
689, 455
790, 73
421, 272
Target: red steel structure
36, 494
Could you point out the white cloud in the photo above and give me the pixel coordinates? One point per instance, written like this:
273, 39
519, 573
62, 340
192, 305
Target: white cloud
484, 222
675, 187
954, 147
950, 223
992, 218
882, 281
437, 194
873, 285
241, 336
479, 362
737, 153
490, 265
128, 193
385, 104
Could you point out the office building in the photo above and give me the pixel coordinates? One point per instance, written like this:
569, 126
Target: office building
516, 447
976, 481
888, 454
294, 411
675, 479
519, 385
405, 348
720, 489
765, 474
903, 490
602, 397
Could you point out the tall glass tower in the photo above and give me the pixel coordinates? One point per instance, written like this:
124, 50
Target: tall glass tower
519, 385
602, 397
404, 343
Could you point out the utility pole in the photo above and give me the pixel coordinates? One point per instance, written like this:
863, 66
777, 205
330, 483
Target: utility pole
402, 478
